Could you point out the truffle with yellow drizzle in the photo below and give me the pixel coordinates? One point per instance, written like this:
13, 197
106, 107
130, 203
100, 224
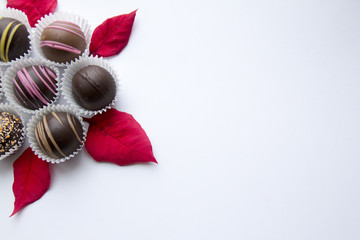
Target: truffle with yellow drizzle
59, 134
14, 39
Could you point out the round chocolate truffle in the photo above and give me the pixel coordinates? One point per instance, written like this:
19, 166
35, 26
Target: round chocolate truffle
62, 41
59, 134
93, 87
11, 132
35, 86
14, 40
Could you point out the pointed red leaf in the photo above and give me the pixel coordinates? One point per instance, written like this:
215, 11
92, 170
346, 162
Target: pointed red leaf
31, 179
110, 37
117, 137
34, 9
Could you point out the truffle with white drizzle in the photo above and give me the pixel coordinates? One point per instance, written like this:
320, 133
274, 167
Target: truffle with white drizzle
59, 134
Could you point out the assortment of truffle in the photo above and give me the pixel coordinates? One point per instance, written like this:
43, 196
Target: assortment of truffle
11, 132
35, 86
62, 41
14, 41
93, 87
59, 134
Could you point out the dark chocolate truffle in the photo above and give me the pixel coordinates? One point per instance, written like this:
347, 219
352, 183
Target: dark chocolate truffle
93, 87
14, 41
62, 41
59, 134
35, 86
11, 132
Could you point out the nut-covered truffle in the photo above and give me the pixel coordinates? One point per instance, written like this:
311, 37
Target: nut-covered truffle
11, 131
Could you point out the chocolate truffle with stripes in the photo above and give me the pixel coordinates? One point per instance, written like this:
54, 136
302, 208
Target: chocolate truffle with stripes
62, 41
35, 86
59, 134
14, 39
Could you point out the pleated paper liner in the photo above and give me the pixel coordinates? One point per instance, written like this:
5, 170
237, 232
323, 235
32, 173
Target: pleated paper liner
70, 71
1, 88
61, 16
32, 137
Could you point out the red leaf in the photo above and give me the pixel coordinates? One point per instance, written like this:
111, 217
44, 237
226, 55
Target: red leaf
110, 37
31, 179
34, 9
117, 137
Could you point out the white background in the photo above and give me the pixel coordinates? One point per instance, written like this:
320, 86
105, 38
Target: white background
253, 110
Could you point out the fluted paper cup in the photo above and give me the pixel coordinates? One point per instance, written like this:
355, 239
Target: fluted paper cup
70, 71
32, 136
61, 16
1, 88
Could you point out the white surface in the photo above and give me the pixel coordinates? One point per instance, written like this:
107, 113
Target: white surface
253, 110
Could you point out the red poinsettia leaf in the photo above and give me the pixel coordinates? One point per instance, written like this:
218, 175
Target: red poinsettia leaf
34, 9
112, 36
117, 137
31, 179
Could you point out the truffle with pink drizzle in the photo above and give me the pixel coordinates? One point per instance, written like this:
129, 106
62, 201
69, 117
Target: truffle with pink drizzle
35, 86
62, 41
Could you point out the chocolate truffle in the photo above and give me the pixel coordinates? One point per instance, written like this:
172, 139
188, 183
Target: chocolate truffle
62, 41
59, 134
11, 132
93, 87
14, 41
35, 86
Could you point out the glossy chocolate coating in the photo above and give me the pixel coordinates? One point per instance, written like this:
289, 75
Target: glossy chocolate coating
35, 86
93, 87
11, 131
15, 40
59, 134
62, 41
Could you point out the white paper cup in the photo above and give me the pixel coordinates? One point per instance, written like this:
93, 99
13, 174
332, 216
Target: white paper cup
20, 16
1, 88
61, 16
8, 108
70, 71
8, 80
32, 138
